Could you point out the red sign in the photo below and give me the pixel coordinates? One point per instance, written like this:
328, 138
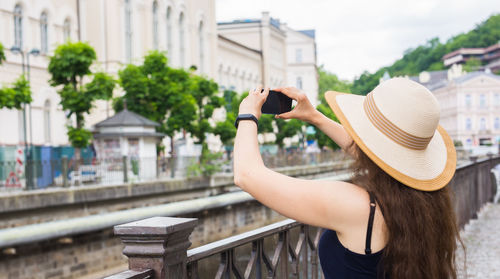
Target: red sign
12, 180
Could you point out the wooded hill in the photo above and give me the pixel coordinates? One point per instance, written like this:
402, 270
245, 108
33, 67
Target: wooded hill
428, 57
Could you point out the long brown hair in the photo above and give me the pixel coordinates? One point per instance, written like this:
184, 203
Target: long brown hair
422, 228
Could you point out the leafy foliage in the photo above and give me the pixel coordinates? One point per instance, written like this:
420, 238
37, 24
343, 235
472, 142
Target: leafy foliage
204, 92
209, 163
68, 67
472, 64
16, 95
155, 90
79, 137
2, 54
428, 57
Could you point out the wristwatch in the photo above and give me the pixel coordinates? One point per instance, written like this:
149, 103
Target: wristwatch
245, 116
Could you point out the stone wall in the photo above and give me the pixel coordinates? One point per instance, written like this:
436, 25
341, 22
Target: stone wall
98, 254
34, 207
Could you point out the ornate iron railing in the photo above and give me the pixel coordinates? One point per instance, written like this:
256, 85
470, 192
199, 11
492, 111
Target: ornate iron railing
157, 247
288, 259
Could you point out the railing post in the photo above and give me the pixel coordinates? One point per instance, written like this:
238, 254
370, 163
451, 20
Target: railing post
64, 170
125, 169
157, 243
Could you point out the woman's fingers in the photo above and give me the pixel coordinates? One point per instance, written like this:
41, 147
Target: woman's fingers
289, 91
286, 115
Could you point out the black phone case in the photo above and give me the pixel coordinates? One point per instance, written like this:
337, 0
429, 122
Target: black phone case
276, 103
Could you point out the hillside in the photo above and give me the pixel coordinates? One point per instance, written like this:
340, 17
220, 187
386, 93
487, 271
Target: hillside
427, 57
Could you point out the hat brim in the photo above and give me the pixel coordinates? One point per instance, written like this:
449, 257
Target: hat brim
429, 169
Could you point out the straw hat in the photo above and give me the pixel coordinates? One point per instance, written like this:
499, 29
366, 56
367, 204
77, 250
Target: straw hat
396, 125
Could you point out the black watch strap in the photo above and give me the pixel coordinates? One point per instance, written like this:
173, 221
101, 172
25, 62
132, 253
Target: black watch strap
246, 116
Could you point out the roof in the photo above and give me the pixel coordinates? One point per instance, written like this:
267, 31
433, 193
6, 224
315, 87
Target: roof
444, 81
126, 134
435, 78
238, 44
310, 33
126, 118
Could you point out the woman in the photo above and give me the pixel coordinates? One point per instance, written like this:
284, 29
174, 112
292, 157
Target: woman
395, 219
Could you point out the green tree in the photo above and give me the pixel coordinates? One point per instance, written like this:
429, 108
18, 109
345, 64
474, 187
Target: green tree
428, 57
472, 64
2, 54
158, 92
17, 94
69, 66
14, 96
204, 92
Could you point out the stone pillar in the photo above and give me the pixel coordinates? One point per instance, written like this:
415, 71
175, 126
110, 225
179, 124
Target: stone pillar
158, 243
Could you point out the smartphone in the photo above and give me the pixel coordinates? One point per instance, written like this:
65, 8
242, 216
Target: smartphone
276, 103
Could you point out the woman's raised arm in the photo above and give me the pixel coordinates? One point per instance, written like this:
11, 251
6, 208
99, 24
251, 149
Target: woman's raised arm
306, 112
329, 204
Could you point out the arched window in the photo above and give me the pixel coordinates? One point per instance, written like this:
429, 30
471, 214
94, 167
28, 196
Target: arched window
128, 31
169, 30
182, 47
46, 121
155, 25
482, 101
482, 124
201, 47
299, 82
18, 26
468, 100
44, 33
67, 30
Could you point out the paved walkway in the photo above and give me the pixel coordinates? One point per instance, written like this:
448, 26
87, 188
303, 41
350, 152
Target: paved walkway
482, 241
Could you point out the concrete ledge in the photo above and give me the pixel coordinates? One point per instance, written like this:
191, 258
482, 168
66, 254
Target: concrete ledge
50, 230
52, 197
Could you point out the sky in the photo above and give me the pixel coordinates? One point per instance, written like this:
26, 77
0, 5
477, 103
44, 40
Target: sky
357, 35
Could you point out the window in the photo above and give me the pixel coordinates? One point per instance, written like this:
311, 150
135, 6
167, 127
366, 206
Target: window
482, 124
497, 99
67, 30
298, 55
44, 37
468, 124
299, 82
497, 123
182, 47
468, 100
201, 43
155, 25
169, 30
128, 31
46, 121
482, 101
18, 26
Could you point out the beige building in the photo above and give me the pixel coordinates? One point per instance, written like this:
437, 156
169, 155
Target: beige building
470, 104
239, 55
121, 32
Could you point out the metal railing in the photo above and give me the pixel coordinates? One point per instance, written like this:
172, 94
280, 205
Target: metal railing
286, 258
159, 244
66, 172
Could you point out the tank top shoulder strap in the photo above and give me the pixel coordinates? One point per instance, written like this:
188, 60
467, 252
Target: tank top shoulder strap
369, 229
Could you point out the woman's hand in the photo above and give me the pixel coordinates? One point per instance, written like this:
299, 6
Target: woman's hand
252, 104
304, 110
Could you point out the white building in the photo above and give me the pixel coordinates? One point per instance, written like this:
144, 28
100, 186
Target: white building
302, 71
238, 55
470, 104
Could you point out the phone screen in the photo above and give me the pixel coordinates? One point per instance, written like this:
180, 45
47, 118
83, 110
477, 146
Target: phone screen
277, 103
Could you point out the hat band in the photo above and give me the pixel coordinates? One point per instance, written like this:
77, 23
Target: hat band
388, 128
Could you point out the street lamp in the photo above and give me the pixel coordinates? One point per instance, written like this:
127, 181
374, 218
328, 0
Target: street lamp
26, 69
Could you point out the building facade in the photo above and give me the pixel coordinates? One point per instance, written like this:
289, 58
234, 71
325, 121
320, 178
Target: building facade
470, 104
238, 55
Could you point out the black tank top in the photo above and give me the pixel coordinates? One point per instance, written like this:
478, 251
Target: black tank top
339, 262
